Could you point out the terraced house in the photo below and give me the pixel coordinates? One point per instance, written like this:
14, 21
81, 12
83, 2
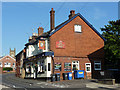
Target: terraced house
73, 45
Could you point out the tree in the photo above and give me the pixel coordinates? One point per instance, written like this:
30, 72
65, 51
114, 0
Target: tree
111, 33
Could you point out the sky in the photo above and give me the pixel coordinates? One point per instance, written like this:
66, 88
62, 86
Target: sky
21, 19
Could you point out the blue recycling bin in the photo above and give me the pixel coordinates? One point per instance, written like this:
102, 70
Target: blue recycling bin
69, 76
78, 74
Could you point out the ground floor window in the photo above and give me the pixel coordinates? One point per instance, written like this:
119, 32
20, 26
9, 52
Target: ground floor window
67, 67
97, 65
88, 67
49, 67
75, 65
57, 66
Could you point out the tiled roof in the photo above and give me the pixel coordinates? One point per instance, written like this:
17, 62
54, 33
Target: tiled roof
31, 43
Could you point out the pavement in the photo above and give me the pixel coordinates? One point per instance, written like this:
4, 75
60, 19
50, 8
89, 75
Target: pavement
10, 81
104, 86
2, 86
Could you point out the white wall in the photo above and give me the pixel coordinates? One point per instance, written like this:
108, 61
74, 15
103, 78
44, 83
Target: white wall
31, 50
47, 73
48, 61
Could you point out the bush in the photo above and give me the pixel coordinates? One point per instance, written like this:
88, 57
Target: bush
7, 69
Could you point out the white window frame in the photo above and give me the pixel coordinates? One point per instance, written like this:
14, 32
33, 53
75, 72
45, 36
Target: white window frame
78, 28
96, 62
0, 64
9, 63
87, 66
75, 62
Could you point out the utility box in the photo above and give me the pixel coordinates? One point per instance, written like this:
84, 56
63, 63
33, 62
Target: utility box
65, 76
57, 76
78, 74
69, 76
53, 78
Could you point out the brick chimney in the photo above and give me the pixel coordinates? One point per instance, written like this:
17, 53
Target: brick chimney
52, 20
40, 31
72, 13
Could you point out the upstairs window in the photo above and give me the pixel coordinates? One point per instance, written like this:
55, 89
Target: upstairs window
77, 28
8, 57
5, 63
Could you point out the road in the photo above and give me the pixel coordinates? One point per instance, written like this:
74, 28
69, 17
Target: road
11, 81
14, 82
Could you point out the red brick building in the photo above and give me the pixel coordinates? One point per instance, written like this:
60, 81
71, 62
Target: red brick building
19, 63
76, 40
7, 62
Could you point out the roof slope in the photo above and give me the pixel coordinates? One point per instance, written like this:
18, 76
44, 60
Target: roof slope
7, 56
69, 20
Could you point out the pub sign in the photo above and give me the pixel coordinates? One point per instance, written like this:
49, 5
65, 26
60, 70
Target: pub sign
60, 44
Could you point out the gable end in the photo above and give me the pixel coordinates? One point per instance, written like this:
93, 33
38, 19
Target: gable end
78, 14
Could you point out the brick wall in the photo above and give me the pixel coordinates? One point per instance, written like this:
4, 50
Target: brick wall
82, 62
18, 59
1, 70
86, 47
77, 44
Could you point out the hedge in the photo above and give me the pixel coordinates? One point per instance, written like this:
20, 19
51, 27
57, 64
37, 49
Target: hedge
7, 69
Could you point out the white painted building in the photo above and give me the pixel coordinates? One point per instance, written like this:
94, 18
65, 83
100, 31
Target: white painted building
38, 59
